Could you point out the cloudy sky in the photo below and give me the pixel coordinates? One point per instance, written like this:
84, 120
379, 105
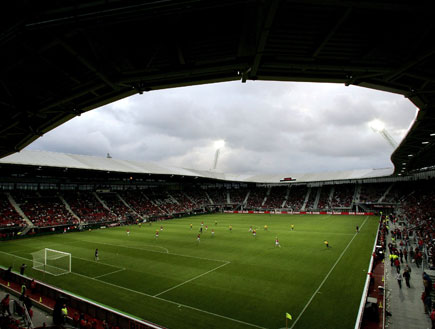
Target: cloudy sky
268, 127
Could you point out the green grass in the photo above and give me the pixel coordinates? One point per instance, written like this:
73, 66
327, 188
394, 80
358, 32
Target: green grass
231, 280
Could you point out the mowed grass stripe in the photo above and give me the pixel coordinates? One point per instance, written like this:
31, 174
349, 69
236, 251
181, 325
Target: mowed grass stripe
176, 303
339, 297
326, 277
164, 274
259, 285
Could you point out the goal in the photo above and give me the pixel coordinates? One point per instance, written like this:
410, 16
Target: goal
52, 261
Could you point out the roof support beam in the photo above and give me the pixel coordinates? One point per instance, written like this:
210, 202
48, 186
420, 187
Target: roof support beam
410, 64
264, 35
86, 63
332, 32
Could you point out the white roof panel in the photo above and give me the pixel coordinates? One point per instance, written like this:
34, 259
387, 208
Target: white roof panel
63, 160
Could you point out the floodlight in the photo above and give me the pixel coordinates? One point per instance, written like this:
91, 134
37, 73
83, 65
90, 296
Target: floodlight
377, 125
219, 143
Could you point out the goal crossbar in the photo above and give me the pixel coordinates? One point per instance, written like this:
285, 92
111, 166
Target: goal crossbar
54, 262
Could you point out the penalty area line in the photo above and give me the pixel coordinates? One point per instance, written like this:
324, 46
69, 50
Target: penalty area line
187, 281
326, 277
159, 252
171, 302
113, 272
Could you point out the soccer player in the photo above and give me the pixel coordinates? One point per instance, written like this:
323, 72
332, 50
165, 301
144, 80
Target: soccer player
206, 227
157, 234
277, 243
250, 229
265, 227
96, 254
200, 229
161, 227
293, 227
202, 223
128, 232
357, 229
212, 232
191, 226
254, 232
231, 228
326, 243
198, 238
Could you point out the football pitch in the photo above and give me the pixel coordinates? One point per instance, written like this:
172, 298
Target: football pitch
227, 280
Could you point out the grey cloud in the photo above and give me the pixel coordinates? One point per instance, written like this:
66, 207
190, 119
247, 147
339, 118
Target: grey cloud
268, 127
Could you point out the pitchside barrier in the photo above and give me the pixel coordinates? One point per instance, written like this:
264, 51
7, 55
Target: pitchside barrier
300, 212
364, 297
80, 304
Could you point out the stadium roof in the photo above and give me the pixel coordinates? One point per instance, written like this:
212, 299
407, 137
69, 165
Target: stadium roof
62, 58
86, 162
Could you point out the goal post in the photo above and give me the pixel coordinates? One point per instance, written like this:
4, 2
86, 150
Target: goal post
52, 261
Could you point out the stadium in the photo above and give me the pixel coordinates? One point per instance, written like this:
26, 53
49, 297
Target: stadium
102, 242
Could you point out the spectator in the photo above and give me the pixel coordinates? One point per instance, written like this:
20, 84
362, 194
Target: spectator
7, 274
33, 286
64, 313
28, 303
399, 279
5, 305
76, 320
22, 268
407, 277
432, 318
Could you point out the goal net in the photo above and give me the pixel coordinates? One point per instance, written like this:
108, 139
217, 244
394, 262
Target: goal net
52, 261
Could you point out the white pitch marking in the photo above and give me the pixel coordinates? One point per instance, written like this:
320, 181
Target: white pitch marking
93, 261
162, 299
159, 252
87, 260
172, 302
326, 277
196, 277
3, 252
114, 245
100, 276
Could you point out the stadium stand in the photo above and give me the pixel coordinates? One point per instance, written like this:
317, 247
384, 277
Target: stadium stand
140, 203
256, 198
276, 197
87, 207
372, 193
311, 203
57, 208
164, 201
8, 215
218, 196
343, 196
325, 198
296, 197
238, 196
199, 197
185, 204
45, 209
115, 204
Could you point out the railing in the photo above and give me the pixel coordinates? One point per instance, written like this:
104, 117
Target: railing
78, 303
366, 287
